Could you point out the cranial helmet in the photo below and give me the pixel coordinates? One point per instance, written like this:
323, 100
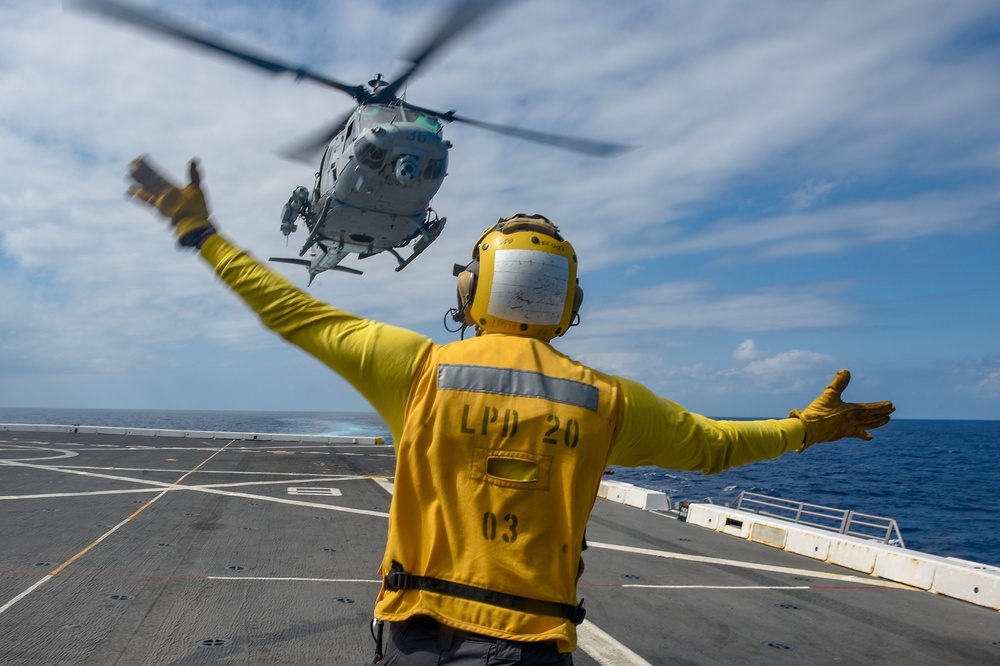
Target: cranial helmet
522, 280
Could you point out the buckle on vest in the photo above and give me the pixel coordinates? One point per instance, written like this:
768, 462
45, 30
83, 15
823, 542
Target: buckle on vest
578, 614
398, 579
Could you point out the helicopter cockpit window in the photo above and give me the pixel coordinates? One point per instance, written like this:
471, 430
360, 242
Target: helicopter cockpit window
378, 115
368, 153
435, 169
429, 122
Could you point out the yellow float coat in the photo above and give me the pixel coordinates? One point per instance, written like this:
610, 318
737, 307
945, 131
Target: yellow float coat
503, 447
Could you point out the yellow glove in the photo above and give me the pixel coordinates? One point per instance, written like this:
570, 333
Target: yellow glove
186, 207
828, 418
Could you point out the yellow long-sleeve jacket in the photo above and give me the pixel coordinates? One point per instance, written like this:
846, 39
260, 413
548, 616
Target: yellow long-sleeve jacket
494, 477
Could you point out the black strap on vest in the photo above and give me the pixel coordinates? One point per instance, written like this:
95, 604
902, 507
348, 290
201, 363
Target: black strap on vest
398, 579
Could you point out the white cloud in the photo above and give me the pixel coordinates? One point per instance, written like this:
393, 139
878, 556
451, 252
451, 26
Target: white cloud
765, 387
990, 384
788, 371
838, 228
978, 376
810, 193
747, 351
695, 305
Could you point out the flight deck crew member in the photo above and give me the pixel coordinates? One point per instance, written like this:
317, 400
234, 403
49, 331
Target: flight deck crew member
501, 440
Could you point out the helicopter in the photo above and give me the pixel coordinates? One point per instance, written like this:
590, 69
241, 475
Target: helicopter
381, 163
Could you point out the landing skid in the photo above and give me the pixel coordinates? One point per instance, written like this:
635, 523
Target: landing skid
429, 233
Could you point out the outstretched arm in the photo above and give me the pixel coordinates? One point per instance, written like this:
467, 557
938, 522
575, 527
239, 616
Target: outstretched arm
655, 431
378, 360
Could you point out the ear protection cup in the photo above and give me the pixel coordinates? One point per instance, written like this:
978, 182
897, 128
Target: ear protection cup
467, 291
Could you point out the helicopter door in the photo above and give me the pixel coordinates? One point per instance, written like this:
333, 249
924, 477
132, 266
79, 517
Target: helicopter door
323, 166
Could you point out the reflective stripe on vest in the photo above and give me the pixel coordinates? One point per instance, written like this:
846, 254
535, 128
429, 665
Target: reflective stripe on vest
521, 383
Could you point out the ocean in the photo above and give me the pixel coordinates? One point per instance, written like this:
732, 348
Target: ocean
938, 479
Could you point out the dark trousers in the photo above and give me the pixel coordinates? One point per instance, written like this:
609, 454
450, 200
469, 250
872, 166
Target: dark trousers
422, 641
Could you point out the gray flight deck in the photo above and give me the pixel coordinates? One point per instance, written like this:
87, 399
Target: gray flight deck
123, 549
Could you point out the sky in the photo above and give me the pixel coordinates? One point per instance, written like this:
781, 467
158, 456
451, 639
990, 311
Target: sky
814, 186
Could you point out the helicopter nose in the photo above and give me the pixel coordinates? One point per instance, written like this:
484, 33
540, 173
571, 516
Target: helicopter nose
407, 169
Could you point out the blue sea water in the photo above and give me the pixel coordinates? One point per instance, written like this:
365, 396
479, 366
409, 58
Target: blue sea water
938, 479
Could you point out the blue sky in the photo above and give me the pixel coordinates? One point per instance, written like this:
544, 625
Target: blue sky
815, 186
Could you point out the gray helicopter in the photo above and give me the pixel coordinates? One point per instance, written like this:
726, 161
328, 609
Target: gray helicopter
382, 163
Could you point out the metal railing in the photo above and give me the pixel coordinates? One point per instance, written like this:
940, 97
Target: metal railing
843, 521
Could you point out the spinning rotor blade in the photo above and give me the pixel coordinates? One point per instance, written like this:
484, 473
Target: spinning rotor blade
572, 144
158, 23
462, 15
305, 149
